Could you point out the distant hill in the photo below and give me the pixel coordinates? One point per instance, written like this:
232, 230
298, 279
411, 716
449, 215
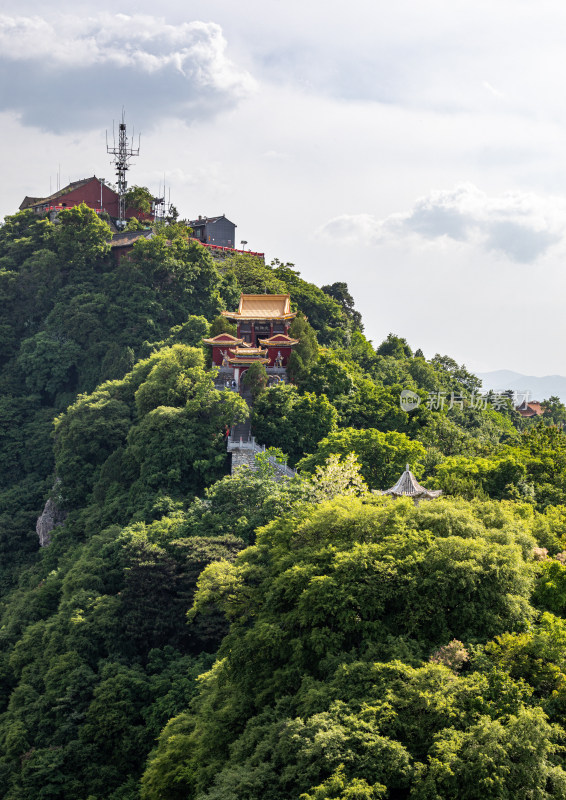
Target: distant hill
539, 388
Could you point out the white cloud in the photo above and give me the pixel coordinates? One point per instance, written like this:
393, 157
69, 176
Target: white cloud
521, 226
370, 108
495, 92
275, 155
63, 73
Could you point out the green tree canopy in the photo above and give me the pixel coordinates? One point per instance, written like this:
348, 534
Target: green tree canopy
394, 346
159, 429
294, 422
140, 199
255, 379
339, 292
382, 455
81, 238
308, 696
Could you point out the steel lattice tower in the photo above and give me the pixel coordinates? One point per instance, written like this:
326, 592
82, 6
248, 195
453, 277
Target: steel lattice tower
122, 154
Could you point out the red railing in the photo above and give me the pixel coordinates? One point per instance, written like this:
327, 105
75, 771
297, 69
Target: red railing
227, 249
145, 216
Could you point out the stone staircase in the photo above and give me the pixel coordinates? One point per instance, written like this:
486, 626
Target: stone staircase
243, 430
243, 447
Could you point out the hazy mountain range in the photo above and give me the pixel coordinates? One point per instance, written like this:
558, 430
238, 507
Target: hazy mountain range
540, 388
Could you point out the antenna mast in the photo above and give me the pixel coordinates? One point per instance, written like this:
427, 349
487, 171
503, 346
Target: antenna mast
122, 154
162, 207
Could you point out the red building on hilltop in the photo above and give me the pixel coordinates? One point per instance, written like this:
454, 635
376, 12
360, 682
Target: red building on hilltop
94, 192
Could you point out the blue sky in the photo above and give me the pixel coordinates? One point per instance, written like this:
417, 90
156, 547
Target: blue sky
417, 152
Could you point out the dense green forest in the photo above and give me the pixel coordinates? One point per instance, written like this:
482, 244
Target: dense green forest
188, 633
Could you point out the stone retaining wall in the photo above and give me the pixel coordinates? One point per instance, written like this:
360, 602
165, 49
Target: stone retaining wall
243, 457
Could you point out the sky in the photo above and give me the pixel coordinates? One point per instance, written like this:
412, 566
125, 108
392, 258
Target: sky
416, 151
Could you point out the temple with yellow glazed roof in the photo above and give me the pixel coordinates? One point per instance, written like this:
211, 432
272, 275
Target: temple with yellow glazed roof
263, 322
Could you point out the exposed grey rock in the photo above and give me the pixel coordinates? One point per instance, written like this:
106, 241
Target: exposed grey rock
51, 517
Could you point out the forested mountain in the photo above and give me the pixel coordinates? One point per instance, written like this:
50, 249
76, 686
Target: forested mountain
188, 633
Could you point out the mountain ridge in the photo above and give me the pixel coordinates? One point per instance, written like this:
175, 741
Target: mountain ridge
539, 387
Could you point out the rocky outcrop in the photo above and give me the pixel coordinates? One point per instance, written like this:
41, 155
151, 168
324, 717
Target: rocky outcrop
51, 517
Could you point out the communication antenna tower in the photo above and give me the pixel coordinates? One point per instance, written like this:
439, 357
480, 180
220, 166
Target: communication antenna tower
162, 207
122, 154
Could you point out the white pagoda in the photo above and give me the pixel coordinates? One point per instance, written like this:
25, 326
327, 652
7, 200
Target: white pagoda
408, 486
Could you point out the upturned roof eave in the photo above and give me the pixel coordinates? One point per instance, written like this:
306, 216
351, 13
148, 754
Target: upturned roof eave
282, 342
408, 486
257, 317
430, 494
224, 338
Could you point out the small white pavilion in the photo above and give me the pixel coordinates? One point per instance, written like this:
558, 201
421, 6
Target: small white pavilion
408, 486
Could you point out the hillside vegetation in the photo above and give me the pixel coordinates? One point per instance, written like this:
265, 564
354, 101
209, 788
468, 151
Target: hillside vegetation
191, 634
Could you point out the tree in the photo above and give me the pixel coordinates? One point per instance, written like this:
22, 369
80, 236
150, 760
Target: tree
294, 422
163, 424
339, 292
84, 438
554, 411
535, 656
308, 690
444, 434
81, 238
323, 312
238, 504
459, 376
499, 477
139, 199
23, 234
114, 721
181, 271
338, 478
328, 376
191, 332
372, 406
221, 325
305, 353
550, 592
166, 774
425, 375
255, 379
252, 275
394, 346
133, 224
49, 363
382, 456
545, 460
495, 759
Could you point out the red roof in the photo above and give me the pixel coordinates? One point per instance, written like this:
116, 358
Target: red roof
30, 202
279, 339
533, 409
224, 338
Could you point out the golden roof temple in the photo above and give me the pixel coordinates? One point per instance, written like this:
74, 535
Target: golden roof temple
263, 322
262, 307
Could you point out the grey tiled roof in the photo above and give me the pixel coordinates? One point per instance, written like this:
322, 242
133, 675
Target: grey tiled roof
408, 486
205, 220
